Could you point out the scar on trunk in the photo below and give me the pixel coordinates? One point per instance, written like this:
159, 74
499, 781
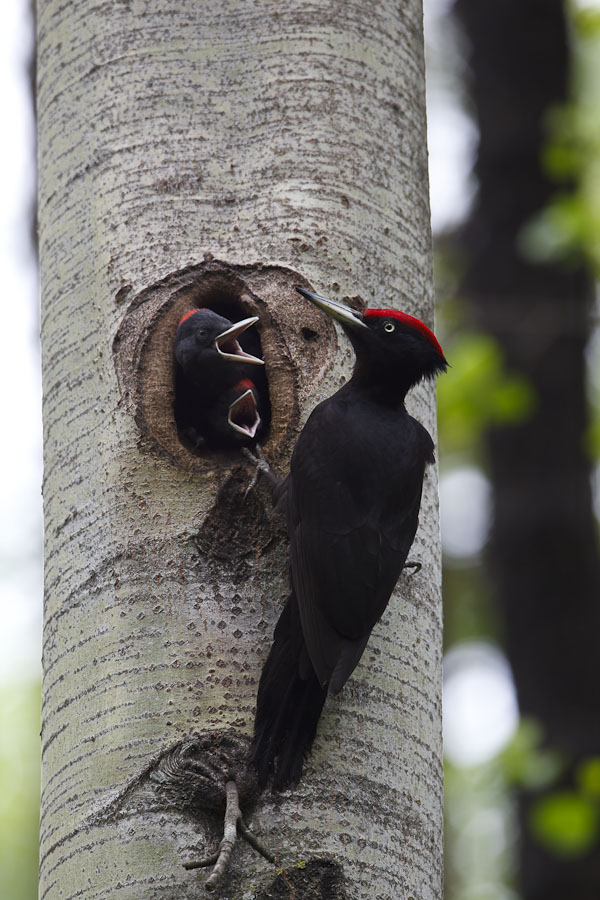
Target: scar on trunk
206, 778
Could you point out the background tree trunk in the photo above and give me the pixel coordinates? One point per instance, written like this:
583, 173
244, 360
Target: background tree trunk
258, 133
543, 550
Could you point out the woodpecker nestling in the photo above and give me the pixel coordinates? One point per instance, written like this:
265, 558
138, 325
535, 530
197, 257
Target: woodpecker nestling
351, 503
216, 398
233, 417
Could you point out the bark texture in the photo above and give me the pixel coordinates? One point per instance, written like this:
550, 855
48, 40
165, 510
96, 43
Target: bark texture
287, 135
543, 549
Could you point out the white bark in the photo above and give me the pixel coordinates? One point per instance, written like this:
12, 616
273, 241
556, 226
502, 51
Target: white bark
287, 134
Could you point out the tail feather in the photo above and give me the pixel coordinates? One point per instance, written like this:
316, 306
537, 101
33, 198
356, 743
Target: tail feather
289, 704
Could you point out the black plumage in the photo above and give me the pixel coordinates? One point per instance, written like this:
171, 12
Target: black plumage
351, 503
213, 375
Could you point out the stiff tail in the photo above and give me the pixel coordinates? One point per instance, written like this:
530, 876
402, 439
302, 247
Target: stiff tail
289, 704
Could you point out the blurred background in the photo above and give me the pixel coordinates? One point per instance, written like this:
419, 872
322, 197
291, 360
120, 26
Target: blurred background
514, 140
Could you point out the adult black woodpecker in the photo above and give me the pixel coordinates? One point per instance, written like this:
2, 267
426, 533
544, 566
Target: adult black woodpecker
211, 364
351, 502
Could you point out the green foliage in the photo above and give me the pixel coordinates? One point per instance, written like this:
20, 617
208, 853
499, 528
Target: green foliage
566, 823
588, 777
477, 392
560, 231
570, 227
593, 435
568, 230
526, 763
19, 789
588, 22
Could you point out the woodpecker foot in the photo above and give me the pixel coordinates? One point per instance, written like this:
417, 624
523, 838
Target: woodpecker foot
233, 827
259, 462
415, 566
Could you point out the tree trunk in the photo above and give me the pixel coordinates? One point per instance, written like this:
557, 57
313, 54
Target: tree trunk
188, 153
543, 547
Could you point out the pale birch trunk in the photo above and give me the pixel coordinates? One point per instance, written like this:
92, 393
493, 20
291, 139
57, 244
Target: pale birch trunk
288, 134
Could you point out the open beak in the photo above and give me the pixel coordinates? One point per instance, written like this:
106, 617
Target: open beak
243, 415
339, 311
227, 345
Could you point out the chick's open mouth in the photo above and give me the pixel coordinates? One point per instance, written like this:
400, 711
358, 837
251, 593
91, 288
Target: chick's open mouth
243, 414
228, 346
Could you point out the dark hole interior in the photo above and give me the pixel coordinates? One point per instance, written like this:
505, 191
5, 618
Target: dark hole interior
203, 414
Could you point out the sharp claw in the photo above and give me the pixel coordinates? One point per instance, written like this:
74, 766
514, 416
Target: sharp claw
261, 465
411, 564
252, 483
233, 827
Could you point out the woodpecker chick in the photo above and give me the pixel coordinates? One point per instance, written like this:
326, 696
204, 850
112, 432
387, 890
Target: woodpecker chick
233, 418
351, 503
208, 351
210, 364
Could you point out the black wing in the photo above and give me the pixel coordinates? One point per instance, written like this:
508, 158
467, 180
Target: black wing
352, 502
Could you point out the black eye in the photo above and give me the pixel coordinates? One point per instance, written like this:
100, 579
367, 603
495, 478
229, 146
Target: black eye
389, 327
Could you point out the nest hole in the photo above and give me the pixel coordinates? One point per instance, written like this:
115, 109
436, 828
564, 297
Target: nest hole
290, 336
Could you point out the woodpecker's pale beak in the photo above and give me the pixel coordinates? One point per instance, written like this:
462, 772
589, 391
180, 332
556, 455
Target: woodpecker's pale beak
344, 314
227, 345
243, 415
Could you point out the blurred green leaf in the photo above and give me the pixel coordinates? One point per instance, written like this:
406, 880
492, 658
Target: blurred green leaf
588, 776
587, 22
562, 155
526, 763
566, 823
562, 159
558, 232
569, 228
477, 392
592, 439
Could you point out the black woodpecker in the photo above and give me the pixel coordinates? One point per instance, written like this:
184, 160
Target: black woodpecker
351, 503
217, 402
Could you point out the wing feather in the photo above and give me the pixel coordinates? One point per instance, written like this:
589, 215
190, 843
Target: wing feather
351, 525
